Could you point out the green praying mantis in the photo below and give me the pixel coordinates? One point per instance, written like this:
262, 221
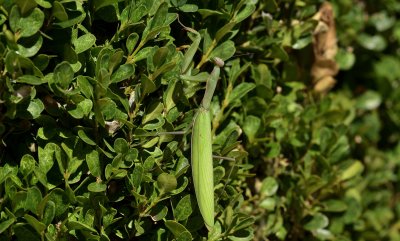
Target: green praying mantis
202, 158
201, 141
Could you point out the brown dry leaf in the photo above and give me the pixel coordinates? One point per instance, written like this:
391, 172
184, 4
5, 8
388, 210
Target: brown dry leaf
325, 49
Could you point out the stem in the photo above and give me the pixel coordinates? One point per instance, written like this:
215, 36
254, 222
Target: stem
205, 57
224, 158
129, 60
82, 183
152, 204
4, 10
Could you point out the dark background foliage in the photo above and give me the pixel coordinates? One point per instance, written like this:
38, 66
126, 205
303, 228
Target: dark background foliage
85, 86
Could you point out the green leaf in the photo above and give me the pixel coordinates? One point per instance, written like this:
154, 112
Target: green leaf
153, 112
354, 169
30, 46
277, 51
82, 109
41, 176
38, 226
97, 187
324, 234
302, 42
98, 4
49, 213
160, 16
370, 100
219, 173
224, 30
46, 156
166, 182
155, 125
59, 11
184, 208
115, 59
269, 186
160, 56
245, 12
240, 91
185, 236
208, 12
244, 222
224, 51
25, 232
63, 75
84, 42
25, 6
124, 72
27, 164
178, 3
86, 106
80, 16
152, 34
136, 176
19, 200
375, 42
382, 21
35, 108
148, 86
30, 79
41, 61
76, 225
262, 75
121, 145
85, 87
159, 212
131, 42
345, 59
43, 3
143, 53
33, 198
60, 200
274, 149
93, 163
251, 126
137, 13
108, 108
189, 8
319, 221
3, 19
176, 228
237, 70
268, 203
242, 235
333, 205
6, 224
200, 77
85, 138
26, 25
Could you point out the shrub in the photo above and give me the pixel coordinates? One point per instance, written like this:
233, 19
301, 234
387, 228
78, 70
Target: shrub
90, 92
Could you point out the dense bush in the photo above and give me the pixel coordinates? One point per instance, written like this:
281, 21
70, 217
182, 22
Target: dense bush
86, 88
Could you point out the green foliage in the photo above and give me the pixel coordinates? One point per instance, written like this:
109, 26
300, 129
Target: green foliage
87, 88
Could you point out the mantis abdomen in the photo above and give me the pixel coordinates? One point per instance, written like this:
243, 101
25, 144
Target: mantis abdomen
202, 165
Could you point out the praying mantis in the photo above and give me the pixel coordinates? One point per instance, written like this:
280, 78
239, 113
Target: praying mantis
201, 140
202, 159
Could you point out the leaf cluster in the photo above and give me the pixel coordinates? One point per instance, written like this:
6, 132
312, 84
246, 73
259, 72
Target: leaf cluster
90, 92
